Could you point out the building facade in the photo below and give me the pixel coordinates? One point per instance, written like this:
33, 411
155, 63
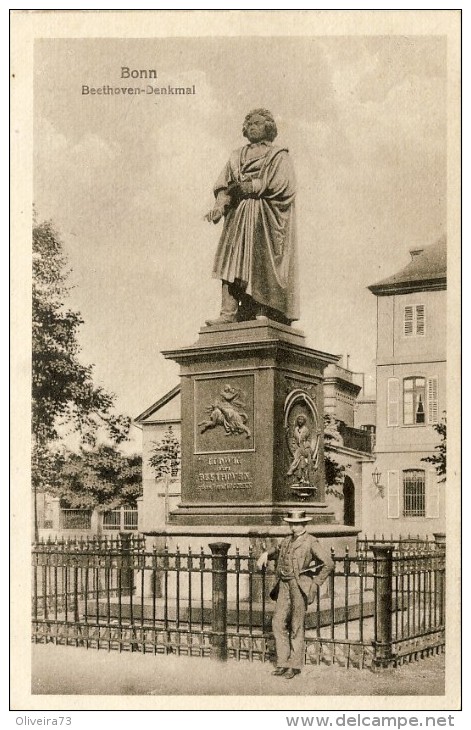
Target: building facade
407, 497
162, 420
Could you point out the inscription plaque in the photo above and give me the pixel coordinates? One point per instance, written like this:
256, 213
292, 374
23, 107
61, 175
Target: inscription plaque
222, 474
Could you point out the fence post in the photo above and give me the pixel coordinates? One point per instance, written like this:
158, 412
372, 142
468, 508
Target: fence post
440, 542
383, 604
219, 600
127, 573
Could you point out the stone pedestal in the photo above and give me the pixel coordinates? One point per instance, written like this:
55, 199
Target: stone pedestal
252, 426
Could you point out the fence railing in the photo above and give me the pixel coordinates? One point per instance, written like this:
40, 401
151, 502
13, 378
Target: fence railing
402, 543
379, 607
106, 542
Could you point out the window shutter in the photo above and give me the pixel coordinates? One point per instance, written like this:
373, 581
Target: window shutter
393, 494
393, 402
420, 319
408, 321
432, 495
432, 399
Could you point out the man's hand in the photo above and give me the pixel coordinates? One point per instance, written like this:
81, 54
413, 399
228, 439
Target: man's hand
262, 562
214, 215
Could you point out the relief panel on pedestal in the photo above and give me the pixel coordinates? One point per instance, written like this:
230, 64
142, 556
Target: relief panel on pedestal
224, 442
224, 414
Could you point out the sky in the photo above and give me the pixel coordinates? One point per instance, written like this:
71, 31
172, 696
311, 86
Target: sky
127, 181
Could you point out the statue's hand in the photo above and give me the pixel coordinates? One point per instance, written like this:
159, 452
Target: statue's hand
214, 215
246, 188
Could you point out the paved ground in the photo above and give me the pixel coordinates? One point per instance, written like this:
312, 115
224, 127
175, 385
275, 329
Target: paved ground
79, 671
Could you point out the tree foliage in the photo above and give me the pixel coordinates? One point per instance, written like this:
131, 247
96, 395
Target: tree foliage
63, 391
334, 471
439, 459
46, 466
101, 477
166, 455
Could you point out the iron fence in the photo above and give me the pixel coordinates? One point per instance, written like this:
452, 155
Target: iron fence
402, 544
75, 519
379, 607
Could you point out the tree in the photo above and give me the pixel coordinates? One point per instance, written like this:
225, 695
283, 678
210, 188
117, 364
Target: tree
334, 471
166, 455
99, 478
439, 459
62, 387
63, 392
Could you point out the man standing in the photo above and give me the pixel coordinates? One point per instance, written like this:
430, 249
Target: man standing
256, 256
301, 566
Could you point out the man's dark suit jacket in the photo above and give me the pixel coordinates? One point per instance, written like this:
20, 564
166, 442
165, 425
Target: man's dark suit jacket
309, 556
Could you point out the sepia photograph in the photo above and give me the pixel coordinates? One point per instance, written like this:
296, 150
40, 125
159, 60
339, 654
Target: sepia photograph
236, 357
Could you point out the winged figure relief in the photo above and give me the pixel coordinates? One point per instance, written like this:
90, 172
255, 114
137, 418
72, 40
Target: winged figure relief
227, 410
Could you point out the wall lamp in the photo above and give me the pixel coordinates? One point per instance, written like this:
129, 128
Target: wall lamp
376, 476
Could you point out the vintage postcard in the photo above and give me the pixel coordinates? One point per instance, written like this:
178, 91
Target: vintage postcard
236, 334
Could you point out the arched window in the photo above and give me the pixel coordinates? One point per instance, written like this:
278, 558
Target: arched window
413, 481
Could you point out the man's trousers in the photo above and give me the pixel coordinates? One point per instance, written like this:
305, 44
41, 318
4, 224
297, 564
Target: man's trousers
288, 625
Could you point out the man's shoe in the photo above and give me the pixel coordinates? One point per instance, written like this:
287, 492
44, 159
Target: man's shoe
279, 671
290, 673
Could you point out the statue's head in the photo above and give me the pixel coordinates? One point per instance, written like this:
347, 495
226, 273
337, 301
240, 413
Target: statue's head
301, 420
261, 117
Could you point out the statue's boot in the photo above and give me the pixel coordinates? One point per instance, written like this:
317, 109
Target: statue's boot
263, 311
229, 307
247, 309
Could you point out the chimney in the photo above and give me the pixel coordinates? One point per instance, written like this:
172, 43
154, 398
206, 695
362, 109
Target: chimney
416, 251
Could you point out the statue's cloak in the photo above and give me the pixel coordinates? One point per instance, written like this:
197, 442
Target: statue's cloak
257, 247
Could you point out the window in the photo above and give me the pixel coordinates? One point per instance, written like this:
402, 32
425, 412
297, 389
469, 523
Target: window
121, 518
419, 401
130, 518
413, 481
112, 519
414, 401
75, 519
414, 320
419, 496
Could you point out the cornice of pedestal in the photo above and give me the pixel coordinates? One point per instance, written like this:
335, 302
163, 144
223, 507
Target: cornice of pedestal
245, 339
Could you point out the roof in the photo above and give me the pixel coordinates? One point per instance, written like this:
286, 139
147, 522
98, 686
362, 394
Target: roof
158, 405
425, 272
